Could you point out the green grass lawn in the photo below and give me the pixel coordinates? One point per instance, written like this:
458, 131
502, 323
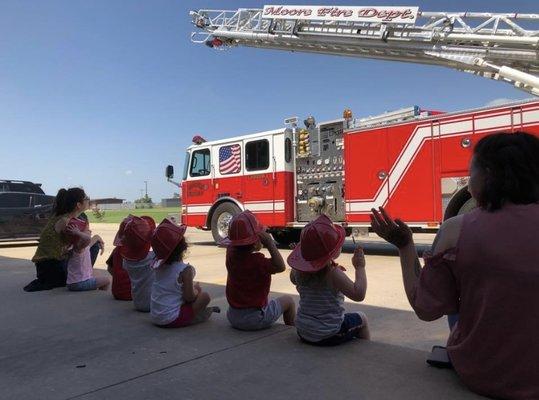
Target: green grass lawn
116, 216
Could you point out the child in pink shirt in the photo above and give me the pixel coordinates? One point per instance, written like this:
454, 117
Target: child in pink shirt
80, 273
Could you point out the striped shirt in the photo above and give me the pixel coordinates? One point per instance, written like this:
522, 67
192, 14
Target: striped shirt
320, 312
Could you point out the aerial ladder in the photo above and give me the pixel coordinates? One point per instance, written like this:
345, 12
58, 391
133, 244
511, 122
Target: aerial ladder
499, 46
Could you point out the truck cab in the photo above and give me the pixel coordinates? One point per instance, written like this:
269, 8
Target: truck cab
223, 177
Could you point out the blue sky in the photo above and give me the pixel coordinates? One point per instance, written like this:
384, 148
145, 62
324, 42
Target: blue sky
104, 94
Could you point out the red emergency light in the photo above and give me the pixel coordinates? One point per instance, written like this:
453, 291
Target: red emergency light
197, 139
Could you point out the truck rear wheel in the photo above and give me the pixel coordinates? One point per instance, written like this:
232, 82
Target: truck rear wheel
461, 203
220, 220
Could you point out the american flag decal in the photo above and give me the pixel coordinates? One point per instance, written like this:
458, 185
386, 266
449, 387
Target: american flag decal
230, 159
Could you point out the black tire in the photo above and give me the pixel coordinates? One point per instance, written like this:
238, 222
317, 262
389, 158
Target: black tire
461, 203
223, 211
286, 237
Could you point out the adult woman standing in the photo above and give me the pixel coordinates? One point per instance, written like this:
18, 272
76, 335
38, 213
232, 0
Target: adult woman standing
51, 254
485, 267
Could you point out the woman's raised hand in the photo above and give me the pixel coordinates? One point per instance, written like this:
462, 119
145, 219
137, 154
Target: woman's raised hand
395, 232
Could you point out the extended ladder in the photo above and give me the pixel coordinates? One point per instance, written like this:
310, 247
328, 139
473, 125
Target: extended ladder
496, 46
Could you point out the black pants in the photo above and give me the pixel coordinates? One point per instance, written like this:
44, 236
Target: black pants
50, 274
94, 251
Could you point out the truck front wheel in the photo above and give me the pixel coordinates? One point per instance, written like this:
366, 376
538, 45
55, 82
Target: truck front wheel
220, 220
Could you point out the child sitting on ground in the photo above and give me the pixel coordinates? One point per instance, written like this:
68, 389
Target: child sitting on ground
133, 241
176, 301
249, 276
121, 284
80, 273
322, 285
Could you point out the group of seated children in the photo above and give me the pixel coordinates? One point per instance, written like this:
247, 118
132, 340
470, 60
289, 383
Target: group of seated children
158, 281
162, 283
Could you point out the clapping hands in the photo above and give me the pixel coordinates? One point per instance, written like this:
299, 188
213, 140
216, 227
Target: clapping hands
395, 231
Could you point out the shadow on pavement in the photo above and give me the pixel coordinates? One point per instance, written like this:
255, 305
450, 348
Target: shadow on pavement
59, 345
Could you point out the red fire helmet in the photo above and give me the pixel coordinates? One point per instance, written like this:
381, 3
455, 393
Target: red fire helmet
134, 237
243, 230
166, 238
320, 242
79, 223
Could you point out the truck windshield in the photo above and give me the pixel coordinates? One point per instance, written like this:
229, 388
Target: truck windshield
186, 166
200, 163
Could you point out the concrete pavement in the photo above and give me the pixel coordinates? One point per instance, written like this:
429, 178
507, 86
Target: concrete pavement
62, 345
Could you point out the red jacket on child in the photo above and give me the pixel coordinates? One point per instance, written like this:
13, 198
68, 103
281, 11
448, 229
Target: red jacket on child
121, 284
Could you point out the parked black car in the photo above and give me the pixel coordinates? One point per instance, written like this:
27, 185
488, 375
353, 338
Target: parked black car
24, 210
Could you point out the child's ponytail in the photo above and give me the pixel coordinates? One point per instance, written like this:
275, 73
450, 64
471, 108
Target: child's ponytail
66, 200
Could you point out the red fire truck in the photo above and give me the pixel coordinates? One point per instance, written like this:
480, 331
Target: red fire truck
414, 162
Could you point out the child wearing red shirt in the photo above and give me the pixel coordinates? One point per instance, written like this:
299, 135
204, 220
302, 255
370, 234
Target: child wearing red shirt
121, 285
249, 276
134, 241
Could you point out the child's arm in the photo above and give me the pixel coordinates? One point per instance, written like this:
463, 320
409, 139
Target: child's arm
353, 290
188, 288
84, 237
99, 240
276, 257
293, 277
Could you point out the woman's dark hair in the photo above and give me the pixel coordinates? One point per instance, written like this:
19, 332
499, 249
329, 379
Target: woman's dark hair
510, 164
178, 253
66, 200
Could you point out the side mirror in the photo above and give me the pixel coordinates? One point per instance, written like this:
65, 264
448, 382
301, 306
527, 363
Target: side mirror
169, 172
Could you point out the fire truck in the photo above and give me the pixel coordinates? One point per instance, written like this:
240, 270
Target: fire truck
412, 161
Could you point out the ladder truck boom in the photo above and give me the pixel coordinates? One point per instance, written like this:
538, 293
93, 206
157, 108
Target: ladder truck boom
499, 46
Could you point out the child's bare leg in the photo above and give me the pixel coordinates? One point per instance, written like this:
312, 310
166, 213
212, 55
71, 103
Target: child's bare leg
202, 313
102, 282
364, 332
289, 309
200, 303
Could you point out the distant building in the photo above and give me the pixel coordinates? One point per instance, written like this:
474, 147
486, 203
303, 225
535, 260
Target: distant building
109, 203
171, 202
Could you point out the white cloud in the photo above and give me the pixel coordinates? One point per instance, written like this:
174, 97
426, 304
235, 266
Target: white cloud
499, 102
128, 172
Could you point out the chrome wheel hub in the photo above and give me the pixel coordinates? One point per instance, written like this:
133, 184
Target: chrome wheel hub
223, 222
